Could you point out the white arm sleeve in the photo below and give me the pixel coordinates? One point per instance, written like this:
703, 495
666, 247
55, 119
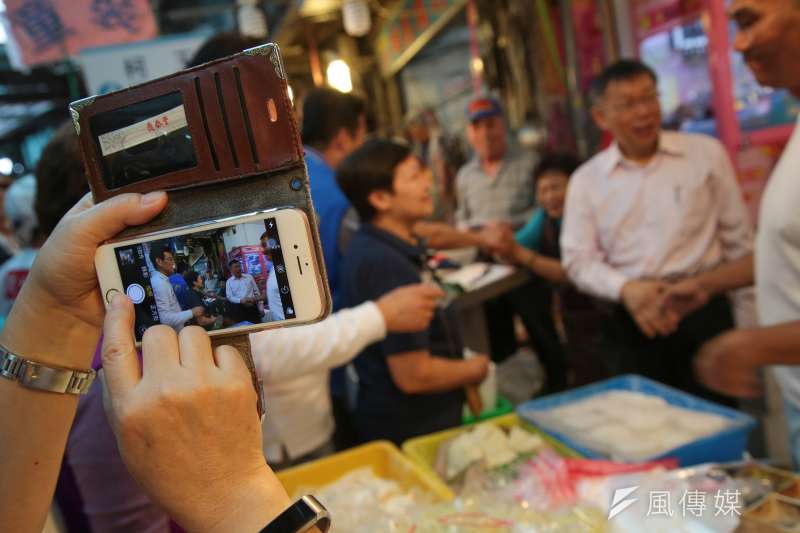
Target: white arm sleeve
174, 319
288, 353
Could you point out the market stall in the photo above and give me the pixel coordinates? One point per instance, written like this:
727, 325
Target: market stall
623, 455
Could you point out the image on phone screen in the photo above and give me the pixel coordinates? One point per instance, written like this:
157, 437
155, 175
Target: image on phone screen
219, 278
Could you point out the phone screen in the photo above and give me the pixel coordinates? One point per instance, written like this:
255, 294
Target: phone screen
219, 278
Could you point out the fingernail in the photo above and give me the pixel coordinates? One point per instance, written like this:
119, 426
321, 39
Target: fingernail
152, 197
118, 301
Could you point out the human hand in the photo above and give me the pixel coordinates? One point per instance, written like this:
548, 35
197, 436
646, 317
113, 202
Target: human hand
205, 320
61, 298
409, 309
480, 367
729, 365
643, 300
496, 238
198, 312
187, 426
685, 297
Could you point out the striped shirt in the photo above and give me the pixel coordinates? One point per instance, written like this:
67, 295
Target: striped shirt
508, 197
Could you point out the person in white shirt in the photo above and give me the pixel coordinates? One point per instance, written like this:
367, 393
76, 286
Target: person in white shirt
769, 39
654, 208
169, 310
294, 364
243, 295
274, 302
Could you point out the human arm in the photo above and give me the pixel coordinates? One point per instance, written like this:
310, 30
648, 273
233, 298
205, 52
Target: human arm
546, 267
55, 321
731, 362
163, 294
255, 291
692, 293
288, 353
187, 401
419, 372
441, 236
735, 233
581, 254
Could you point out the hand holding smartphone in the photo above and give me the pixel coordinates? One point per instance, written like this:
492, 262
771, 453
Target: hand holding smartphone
267, 260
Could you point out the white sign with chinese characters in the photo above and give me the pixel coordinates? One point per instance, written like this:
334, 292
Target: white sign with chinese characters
111, 68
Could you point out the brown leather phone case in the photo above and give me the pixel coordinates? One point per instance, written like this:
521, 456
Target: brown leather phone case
221, 138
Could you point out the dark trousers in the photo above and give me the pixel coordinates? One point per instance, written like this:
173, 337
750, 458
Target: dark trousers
533, 302
669, 359
244, 313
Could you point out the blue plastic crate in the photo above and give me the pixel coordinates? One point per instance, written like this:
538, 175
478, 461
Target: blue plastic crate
727, 445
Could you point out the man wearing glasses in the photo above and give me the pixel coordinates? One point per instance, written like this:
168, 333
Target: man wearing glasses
654, 208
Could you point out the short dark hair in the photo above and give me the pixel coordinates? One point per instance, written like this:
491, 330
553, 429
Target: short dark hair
326, 112
262, 236
563, 162
60, 178
222, 45
157, 251
190, 276
232, 261
622, 70
181, 267
370, 168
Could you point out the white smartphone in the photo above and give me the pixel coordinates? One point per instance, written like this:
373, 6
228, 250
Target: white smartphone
236, 275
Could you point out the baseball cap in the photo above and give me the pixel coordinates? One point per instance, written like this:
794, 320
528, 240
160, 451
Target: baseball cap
483, 107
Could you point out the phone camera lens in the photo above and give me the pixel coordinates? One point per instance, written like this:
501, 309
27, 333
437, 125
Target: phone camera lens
296, 184
296, 247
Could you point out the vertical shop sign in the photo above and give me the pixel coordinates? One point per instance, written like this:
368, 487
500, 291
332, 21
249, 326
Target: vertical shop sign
410, 26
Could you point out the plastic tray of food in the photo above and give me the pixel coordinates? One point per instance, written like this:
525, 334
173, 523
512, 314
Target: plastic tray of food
383, 457
424, 450
727, 444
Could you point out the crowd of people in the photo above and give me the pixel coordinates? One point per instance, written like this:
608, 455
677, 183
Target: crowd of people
185, 297
632, 254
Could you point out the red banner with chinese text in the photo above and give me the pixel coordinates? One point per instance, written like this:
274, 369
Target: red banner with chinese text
45, 31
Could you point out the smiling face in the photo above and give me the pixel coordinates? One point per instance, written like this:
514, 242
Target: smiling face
630, 110
410, 199
551, 191
768, 37
166, 263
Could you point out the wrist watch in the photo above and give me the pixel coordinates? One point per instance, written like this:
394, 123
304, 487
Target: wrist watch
47, 378
304, 514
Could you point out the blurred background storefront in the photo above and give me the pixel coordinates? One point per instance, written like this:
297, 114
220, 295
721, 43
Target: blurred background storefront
407, 56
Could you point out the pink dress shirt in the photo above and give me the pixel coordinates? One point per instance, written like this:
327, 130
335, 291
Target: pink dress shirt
680, 214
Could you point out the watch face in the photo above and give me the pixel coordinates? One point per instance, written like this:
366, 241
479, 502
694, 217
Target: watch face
304, 514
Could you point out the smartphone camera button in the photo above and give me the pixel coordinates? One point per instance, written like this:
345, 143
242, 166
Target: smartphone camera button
296, 184
110, 294
290, 311
135, 292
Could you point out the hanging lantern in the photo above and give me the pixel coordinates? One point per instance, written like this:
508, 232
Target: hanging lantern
251, 19
356, 17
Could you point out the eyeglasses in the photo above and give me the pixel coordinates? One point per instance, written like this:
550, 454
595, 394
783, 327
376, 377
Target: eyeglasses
631, 104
